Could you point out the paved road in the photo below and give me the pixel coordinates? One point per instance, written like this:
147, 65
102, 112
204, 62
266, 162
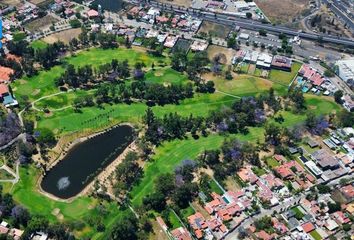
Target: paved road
231, 20
20, 136
338, 9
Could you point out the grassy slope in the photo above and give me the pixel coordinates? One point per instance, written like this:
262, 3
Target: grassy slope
43, 84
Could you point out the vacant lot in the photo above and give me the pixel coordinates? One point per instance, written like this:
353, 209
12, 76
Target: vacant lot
216, 30
41, 23
184, 3
214, 50
64, 36
11, 2
282, 11
37, 1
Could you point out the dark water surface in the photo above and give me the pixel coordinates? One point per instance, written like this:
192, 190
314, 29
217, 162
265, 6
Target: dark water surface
110, 5
83, 162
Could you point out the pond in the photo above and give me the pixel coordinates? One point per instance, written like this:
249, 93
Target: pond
110, 5
85, 161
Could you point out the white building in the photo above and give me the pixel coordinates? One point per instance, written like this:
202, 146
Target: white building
346, 69
241, 6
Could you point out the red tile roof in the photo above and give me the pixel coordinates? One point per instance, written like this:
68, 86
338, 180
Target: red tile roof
308, 227
348, 191
5, 73
4, 89
181, 234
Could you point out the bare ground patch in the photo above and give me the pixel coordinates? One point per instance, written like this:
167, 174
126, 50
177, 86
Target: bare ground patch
184, 3
41, 23
64, 36
214, 50
37, 1
282, 11
11, 2
216, 30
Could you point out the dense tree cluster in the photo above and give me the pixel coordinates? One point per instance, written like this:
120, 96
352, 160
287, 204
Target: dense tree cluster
127, 174
177, 187
230, 159
243, 113
171, 126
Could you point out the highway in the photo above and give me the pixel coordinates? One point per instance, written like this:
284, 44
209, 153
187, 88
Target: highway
339, 10
231, 20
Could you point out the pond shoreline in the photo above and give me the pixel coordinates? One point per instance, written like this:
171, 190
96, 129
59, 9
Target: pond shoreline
109, 168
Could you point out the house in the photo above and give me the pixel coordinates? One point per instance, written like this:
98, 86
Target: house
279, 158
15, 233
170, 41
199, 45
313, 168
325, 160
92, 13
288, 170
198, 224
348, 192
312, 143
39, 236
6, 97
308, 227
241, 6
246, 174
281, 63
331, 225
350, 208
264, 61
348, 102
5, 74
271, 181
340, 218
181, 234
311, 74
264, 235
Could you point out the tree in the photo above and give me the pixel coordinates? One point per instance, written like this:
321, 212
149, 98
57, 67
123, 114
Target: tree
248, 15
20, 215
185, 194
297, 97
345, 118
338, 96
155, 201
322, 189
165, 183
46, 136
125, 228
333, 207
328, 73
272, 134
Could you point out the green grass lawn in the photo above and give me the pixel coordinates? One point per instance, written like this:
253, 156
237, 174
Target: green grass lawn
315, 235
215, 188
38, 44
271, 162
298, 212
44, 83
258, 171
246, 85
174, 220
165, 75
62, 100
187, 212
283, 77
